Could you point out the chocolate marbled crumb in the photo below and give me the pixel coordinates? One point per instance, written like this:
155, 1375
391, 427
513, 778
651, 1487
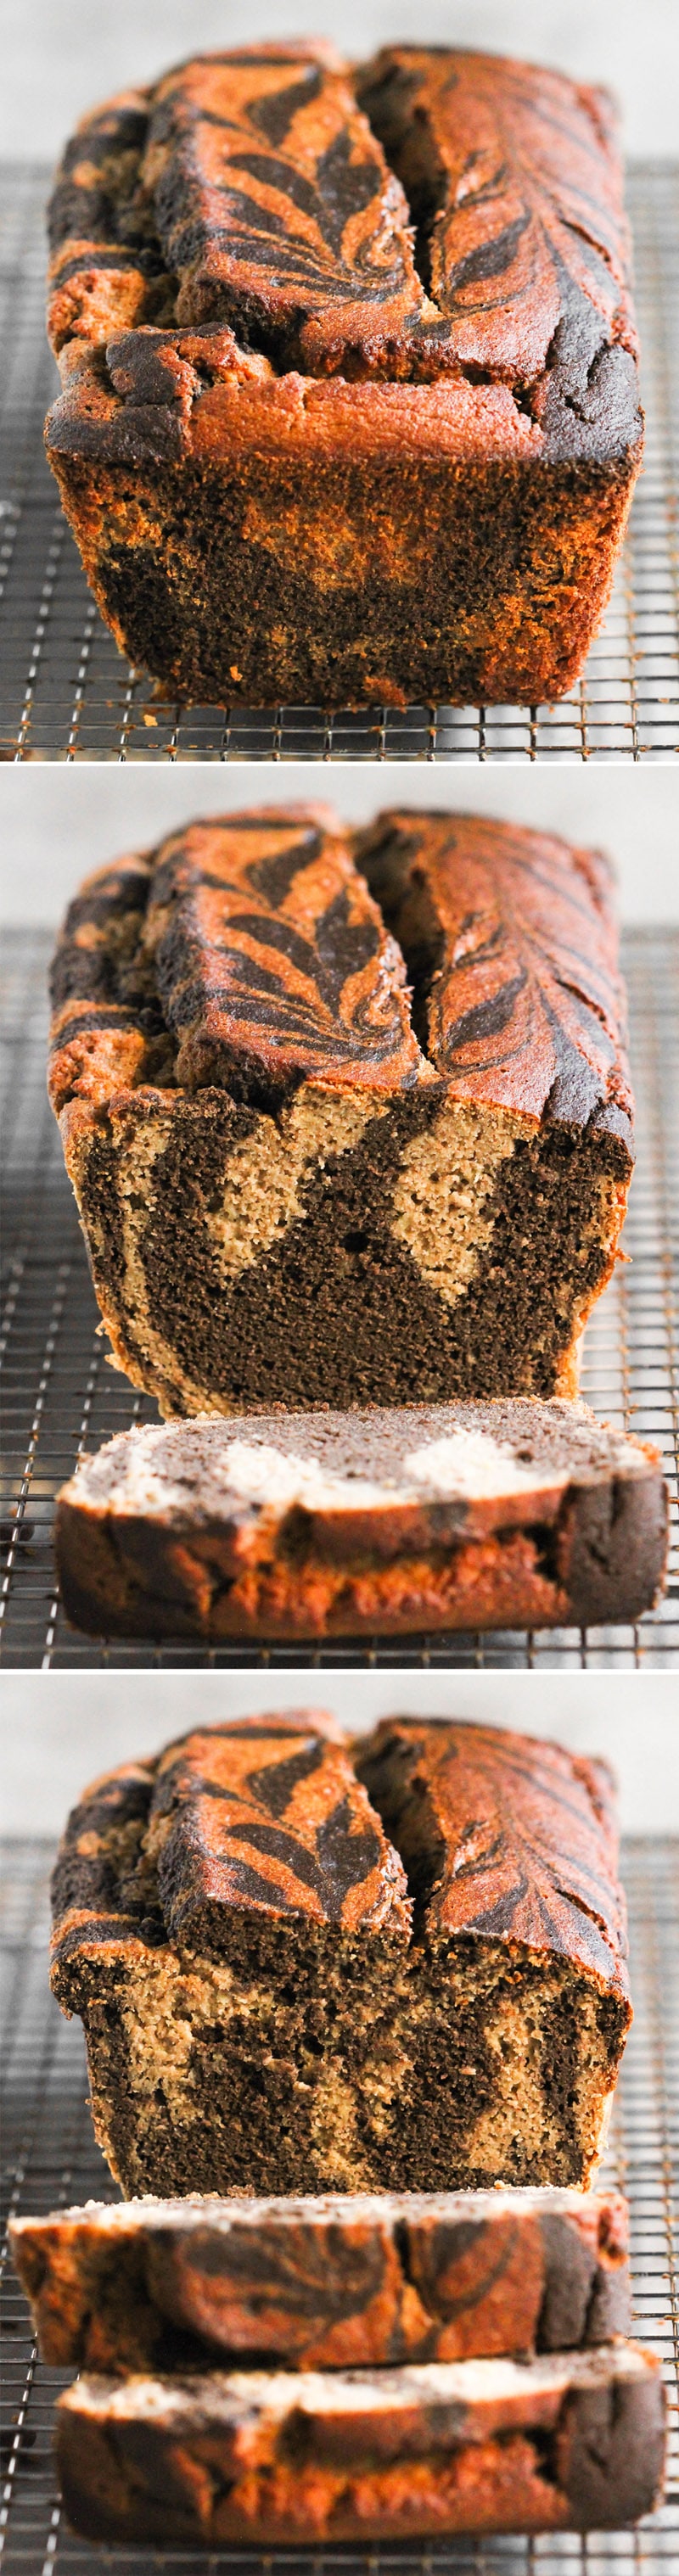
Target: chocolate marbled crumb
340, 1303
329, 2282
567, 2444
327, 2094
290, 2047
319, 590
182, 1468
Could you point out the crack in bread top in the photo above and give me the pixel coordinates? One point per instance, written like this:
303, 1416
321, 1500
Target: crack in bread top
432, 1834
511, 945
271, 1822
515, 189
272, 962
258, 951
435, 213
503, 1837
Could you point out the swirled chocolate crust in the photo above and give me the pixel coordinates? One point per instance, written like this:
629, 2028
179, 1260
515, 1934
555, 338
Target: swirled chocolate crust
516, 196
275, 2000
325, 441
271, 961
285, 1200
333, 2283
277, 211
572, 2443
513, 954
107, 270
321, 1524
271, 200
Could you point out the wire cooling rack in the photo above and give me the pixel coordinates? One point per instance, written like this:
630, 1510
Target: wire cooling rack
51, 2159
67, 694
63, 1400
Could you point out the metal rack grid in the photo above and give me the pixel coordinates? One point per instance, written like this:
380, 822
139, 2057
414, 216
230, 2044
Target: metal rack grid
62, 1400
67, 694
51, 2160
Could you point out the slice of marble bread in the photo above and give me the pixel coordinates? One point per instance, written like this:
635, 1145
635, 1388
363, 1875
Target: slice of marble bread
503, 1515
570, 2442
325, 2283
302, 1967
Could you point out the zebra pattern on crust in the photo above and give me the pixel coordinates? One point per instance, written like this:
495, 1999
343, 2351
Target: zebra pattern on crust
433, 212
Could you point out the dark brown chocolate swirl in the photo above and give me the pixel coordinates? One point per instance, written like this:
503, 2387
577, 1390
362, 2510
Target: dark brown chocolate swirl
249, 191
504, 1838
511, 942
271, 960
275, 206
511, 180
325, 2283
107, 269
289, 1831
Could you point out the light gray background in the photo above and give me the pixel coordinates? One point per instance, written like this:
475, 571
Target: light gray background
60, 56
61, 1730
56, 822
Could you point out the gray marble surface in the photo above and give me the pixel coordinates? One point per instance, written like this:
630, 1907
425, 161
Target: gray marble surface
62, 1729
57, 822
59, 56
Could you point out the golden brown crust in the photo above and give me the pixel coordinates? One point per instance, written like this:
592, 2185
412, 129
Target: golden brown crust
277, 211
271, 962
106, 270
249, 1822
512, 174
240, 925
259, 183
310, 1524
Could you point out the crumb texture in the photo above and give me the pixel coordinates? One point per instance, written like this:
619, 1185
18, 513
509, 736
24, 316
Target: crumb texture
288, 1984
348, 1117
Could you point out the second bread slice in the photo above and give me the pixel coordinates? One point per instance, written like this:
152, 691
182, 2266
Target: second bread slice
327, 2283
